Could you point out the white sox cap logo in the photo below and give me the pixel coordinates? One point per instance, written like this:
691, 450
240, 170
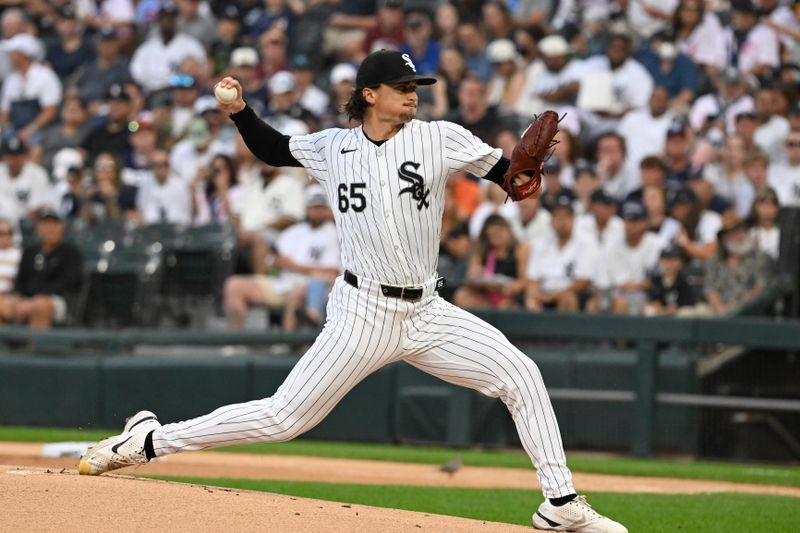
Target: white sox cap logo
408, 61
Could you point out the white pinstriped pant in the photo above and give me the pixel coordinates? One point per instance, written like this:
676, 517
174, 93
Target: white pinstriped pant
365, 331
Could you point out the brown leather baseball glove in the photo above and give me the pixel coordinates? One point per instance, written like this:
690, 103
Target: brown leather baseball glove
529, 156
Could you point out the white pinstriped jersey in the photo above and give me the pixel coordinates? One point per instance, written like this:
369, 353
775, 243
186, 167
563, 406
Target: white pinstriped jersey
388, 199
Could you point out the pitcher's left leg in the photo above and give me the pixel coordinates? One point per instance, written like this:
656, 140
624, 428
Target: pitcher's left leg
464, 350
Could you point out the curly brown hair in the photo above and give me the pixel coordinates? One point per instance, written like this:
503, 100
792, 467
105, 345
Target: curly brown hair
355, 106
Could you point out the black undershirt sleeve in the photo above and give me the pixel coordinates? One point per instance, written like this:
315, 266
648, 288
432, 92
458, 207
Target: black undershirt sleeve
498, 170
266, 143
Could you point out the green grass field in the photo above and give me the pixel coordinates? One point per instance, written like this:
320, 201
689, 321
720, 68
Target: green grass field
717, 471
651, 513
707, 513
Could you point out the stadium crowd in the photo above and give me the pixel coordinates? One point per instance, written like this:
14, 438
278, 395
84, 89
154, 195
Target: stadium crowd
679, 146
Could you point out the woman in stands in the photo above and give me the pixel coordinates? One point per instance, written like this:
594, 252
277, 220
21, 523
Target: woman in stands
216, 192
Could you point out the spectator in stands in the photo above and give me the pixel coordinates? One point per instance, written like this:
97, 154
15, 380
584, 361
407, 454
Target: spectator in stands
497, 19
676, 154
495, 204
553, 190
650, 17
144, 139
24, 185
552, 83
566, 149
282, 113
645, 130
699, 34
719, 109
498, 266
269, 205
535, 220
243, 65
630, 82
452, 71
669, 290
70, 131
387, 32
50, 275
273, 14
31, 94
185, 91
69, 192
307, 255
216, 192
13, 22
419, 43
474, 111
737, 273
672, 70
507, 78
454, 244
227, 37
96, 77
108, 198
586, 183
601, 224
756, 167
653, 173
629, 262
307, 94
764, 223
772, 128
472, 41
753, 45
698, 235
196, 22
112, 134
729, 178
561, 267
447, 20
165, 198
274, 52
343, 81
156, 59
785, 177
10, 255
73, 48
659, 223
615, 174
191, 155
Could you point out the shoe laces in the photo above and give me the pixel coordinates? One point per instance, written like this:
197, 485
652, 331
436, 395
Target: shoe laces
580, 501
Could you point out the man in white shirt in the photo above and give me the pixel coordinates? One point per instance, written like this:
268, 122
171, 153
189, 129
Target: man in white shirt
10, 255
785, 177
616, 176
32, 93
164, 197
771, 133
630, 260
156, 59
754, 46
535, 220
308, 255
24, 185
718, 109
556, 85
267, 206
631, 84
645, 129
561, 267
307, 93
197, 149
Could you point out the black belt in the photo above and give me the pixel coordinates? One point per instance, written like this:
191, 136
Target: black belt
404, 293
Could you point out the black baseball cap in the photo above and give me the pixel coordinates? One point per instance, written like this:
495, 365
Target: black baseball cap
49, 213
684, 195
602, 197
389, 66
633, 210
672, 252
13, 146
563, 201
118, 92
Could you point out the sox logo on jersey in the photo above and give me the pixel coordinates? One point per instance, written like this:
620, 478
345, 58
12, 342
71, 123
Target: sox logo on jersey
416, 188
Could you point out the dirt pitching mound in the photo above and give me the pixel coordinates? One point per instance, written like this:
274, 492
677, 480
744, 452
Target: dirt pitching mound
38, 500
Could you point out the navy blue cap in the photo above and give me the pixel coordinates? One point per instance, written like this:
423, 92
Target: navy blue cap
49, 212
745, 6
118, 92
552, 165
633, 210
563, 201
672, 252
230, 12
300, 61
602, 197
106, 32
13, 146
682, 196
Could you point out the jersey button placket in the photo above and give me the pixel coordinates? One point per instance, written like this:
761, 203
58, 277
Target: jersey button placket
391, 226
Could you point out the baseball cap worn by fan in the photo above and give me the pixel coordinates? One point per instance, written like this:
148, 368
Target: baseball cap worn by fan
244, 56
48, 213
389, 66
315, 196
281, 82
633, 211
343, 72
602, 197
13, 146
563, 201
22, 43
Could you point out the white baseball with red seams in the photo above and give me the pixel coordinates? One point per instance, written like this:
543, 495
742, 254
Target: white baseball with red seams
225, 95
